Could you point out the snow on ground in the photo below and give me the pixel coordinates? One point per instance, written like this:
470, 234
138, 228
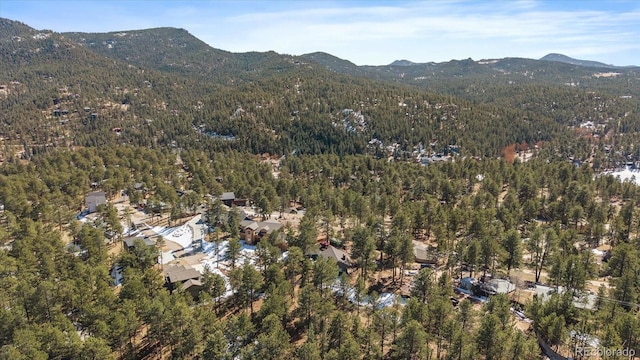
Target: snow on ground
129, 231
217, 254
248, 253
181, 235
228, 292
215, 261
166, 257
208, 247
626, 174
591, 340
385, 299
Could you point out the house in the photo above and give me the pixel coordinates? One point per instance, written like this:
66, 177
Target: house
248, 230
227, 198
193, 287
499, 286
130, 241
177, 276
472, 286
253, 231
422, 253
331, 252
240, 202
581, 300
94, 199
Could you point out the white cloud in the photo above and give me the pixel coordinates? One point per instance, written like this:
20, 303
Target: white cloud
425, 28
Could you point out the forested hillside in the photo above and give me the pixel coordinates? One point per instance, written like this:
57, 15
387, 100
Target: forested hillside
81, 97
426, 182
176, 51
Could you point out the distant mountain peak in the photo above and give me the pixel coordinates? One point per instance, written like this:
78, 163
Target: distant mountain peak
402, 63
569, 60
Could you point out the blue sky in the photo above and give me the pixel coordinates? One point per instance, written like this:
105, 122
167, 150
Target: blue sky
368, 32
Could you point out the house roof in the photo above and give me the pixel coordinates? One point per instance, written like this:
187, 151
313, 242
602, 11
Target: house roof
581, 301
269, 226
249, 224
331, 252
266, 226
181, 253
191, 282
247, 214
198, 227
421, 254
468, 283
420, 251
95, 195
227, 196
129, 241
501, 286
181, 273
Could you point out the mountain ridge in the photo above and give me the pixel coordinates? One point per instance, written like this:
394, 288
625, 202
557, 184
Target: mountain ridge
549, 57
268, 102
85, 39
569, 60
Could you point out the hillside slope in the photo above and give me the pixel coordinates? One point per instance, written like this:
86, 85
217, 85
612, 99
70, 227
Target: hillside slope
158, 86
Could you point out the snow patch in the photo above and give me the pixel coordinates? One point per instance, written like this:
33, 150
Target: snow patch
626, 174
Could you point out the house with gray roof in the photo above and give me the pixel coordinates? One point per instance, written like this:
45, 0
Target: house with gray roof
227, 198
176, 276
130, 241
333, 253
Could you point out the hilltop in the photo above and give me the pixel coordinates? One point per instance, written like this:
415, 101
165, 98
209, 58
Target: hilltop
568, 60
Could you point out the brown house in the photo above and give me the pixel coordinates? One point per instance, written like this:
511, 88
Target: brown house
177, 276
253, 231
